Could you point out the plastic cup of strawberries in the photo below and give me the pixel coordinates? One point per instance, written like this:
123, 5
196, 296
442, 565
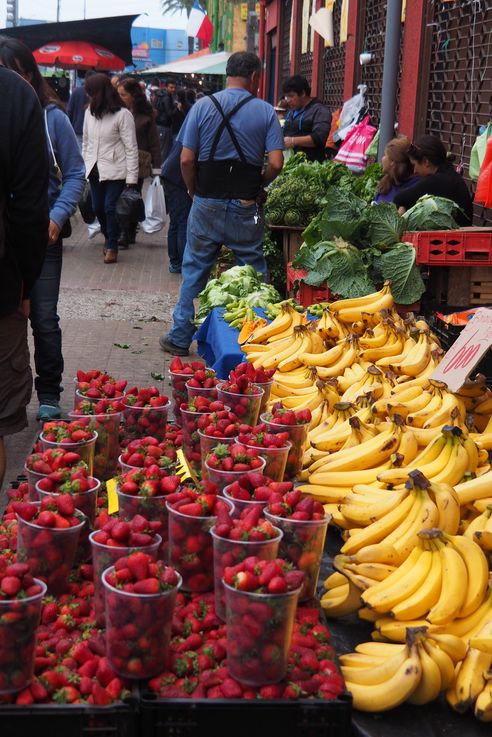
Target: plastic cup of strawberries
254, 489
191, 414
243, 397
20, 608
40, 465
179, 373
145, 413
227, 463
95, 385
103, 416
296, 424
140, 599
274, 448
261, 599
71, 436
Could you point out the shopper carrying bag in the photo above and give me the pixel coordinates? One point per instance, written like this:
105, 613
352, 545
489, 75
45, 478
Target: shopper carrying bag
155, 207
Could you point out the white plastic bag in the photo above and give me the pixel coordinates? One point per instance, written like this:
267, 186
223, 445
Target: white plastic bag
350, 113
155, 207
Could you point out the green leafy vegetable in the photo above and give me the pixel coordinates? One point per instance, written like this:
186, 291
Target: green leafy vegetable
383, 225
341, 265
240, 281
431, 213
398, 264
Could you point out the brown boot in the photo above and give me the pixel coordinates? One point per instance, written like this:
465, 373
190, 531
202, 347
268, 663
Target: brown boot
110, 257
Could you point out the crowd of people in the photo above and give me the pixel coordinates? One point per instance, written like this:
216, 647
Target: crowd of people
215, 155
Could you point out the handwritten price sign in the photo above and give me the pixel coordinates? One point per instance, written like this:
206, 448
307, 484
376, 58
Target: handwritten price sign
466, 352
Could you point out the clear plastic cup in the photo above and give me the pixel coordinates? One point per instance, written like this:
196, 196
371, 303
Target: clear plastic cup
125, 468
138, 629
230, 552
178, 392
225, 478
107, 447
245, 406
275, 460
267, 389
298, 437
207, 444
195, 391
50, 552
86, 449
191, 549
104, 556
85, 501
302, 544
153, 508
241, 504
32, 479
259, 632
191, 439
142, 421
19, 619
79, 397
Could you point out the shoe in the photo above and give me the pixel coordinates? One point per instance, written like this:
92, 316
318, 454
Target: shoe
110, 257
175, 269
174, 350
48, 410
123, 246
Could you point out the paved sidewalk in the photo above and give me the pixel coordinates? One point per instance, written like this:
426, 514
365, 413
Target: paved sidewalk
102, 304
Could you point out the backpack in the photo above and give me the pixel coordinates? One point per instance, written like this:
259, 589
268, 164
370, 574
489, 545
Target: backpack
161, 106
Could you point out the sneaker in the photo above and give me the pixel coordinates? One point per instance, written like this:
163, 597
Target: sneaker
175, 269
174, 350
48, 410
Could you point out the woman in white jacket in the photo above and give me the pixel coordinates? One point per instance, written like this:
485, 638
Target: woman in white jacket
109, 148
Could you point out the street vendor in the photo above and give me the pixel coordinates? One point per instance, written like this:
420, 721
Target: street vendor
438, 177
307, 123
224, 137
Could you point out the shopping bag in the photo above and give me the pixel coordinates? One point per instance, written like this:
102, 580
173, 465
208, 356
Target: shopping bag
352, 152
350, 114
483, 194
335, 122
155, 207
85, 205
130, 207
477, 153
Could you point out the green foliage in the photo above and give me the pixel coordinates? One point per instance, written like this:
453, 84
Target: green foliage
431, 213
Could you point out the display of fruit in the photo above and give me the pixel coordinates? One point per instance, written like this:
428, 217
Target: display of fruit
234, 457
242, 397
221, 424
66, 433
148, 451
191, 413
255, 376
179, 373
250, 526
96, 384
145, 413
54, 459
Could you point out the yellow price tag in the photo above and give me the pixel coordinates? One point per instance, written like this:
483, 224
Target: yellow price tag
112, 496
184, 471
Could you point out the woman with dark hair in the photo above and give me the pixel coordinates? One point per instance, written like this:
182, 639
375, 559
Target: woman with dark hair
398, 172
66, 184
109, 148
149, 150
437, 177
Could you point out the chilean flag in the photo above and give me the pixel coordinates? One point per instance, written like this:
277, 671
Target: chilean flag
199, 24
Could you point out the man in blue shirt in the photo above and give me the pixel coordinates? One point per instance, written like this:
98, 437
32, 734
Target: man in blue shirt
224, 137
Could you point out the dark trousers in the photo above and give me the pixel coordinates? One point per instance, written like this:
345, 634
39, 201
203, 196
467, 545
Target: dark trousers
178, 205
104, 198
48, 358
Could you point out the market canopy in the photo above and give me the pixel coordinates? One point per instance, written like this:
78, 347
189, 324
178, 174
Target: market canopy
113, 33
195, 64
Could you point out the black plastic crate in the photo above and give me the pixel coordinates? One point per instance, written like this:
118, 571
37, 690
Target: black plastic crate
244, 718
448, 333
70, 720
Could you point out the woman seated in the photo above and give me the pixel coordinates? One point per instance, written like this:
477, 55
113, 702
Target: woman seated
397, 170
437, 177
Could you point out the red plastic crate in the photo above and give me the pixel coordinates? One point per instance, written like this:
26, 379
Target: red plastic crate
464, 247
304, 293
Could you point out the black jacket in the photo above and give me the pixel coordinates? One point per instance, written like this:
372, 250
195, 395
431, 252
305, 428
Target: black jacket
166, 109
314, 120
23, 192
446, 182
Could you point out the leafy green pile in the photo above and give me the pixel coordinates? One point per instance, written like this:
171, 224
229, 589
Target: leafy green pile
240, 281
300, 192
431, 213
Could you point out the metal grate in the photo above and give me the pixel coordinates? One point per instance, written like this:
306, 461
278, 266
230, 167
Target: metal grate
334, 66
285, 42
373, 42
460, 87
306, 66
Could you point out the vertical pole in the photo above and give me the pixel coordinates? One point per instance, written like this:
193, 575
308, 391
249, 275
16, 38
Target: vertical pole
261, 48
296, 35
251, 26
215, 21
58, 11
390, 74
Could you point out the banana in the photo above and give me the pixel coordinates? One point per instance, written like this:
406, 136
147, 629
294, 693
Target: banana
477, 573
292, 360
341, 601
450, 404
359, 514
466, 627
478, 488
470, 679
442, 659
410, 406
379, 553
482, 643
423, 515
334, 580
281, 323
418, 604
379, 530
379, 649
454, 585
403, 582
387, 361
450, 644
392, 692
375, 571
421, 416
347, 478
430, 684
356, 660
378, 673
285, 348
430, 470
326, 358
372, 452
392, 347
396, 631
359, 302
349, 356
448, 506
483, 704
483, 538
416, 360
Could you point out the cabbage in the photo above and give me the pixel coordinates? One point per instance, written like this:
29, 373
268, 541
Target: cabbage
431, 213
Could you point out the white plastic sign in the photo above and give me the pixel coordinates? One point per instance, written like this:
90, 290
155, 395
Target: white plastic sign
466, 351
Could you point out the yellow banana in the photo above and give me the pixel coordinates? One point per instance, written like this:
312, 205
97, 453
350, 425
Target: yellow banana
442, 659
379, 530
361, 514
448, 506
279, 324
349, 356
378, 673
326, 358
478, 488
483, 704
450, 404
359, 302
450, 644
346, 602
402, 583
454, 585
430, 684
470, 679
418, 604
378, 553
477, 573
416, 360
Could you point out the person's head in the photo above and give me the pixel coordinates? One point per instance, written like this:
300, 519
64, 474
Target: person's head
281, 108
397, 167
171, 86
103, 97
427, 154
155, 82
199, 95
244, 69
190, 96
15, 55
115, 79
133, 96
297, 91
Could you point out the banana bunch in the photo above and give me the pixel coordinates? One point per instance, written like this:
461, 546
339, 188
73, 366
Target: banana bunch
341, 596
330, 327
472, 685
236, 312
272, 310
383, 675
364, 309
281, 327
480, 529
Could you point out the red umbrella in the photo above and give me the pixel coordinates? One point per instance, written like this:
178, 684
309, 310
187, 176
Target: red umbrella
78, 54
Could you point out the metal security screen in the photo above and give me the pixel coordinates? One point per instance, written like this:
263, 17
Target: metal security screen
285, 42
334, 66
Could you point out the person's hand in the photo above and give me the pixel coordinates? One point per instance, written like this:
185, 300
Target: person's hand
26, 307
262, 196
54, 231
289, 142
132, 186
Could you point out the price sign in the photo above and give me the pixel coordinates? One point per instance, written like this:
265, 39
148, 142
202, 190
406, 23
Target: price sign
466, 352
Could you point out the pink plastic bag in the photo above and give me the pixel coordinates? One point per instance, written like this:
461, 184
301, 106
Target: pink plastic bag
352, 151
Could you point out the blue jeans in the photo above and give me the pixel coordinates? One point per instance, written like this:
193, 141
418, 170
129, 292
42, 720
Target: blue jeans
178, 205
211, 224
104, 198
48, 358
